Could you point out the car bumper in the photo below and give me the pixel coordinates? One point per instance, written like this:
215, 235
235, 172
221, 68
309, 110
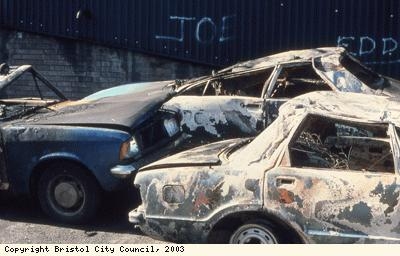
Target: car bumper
123, 171
161, 228
137, 216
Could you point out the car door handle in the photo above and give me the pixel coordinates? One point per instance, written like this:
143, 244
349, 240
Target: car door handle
281, 181
253, 105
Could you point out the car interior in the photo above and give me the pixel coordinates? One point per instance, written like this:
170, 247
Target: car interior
328, 143
297, 80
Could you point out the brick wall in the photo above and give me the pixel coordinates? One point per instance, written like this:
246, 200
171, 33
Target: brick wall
80, 68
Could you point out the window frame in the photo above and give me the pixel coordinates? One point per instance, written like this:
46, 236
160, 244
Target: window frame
286, 158
280, 68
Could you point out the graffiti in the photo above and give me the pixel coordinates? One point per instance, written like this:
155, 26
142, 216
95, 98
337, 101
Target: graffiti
206, 30
182, 29
365, 45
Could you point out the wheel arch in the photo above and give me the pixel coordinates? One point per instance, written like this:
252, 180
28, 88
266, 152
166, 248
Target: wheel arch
232, 221
47, 161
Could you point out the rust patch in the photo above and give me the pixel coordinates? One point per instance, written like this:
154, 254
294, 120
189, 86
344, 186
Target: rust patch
201, 199
208, 198
285, 196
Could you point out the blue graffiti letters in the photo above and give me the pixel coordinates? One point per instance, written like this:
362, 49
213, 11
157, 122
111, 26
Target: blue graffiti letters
389, 46
181, 36
206, 30
365, 45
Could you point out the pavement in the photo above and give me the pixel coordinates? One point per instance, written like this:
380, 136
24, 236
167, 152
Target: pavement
22, 221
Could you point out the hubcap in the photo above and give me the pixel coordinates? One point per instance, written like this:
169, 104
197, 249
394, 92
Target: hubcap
255, 236
67, 194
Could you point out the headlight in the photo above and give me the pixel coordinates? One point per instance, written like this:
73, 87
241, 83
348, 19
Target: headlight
129, 149
171, 126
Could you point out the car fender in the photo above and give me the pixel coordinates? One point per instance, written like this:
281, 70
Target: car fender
97, 149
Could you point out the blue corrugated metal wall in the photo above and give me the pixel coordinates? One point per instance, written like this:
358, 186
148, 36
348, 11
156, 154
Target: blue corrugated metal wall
219, 32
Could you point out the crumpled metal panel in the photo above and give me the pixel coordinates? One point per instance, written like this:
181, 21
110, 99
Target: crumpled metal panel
322, 205
217, 116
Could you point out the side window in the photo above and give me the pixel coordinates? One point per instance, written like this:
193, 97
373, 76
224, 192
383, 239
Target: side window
297, 80
334, 144
247, 84
234, 84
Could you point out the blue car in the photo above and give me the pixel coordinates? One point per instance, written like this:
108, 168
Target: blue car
67, 153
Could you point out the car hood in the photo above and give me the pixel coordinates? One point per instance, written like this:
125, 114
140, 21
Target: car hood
128, 110
206, 155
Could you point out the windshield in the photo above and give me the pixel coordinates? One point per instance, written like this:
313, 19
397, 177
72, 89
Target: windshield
347, 74
130, 88
367, 76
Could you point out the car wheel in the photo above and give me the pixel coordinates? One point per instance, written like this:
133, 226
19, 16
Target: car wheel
68, 194
255, 232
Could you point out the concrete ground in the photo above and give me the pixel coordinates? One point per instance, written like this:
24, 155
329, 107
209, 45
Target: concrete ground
22, 221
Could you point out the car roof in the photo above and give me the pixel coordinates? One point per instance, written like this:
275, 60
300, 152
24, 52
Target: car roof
269, 61
273, 60
365, 108
354, 107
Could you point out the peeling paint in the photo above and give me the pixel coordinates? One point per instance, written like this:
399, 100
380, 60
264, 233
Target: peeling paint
285, 196
388, 195
338, 186
359, 212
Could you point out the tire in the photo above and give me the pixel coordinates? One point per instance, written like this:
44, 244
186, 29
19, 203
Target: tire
254, 232
67, 193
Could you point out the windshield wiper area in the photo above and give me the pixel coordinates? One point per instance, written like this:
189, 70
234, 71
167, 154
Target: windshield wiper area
12, 112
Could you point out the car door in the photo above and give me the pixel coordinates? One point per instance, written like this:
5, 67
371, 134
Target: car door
230, 106
338, 186
219, 117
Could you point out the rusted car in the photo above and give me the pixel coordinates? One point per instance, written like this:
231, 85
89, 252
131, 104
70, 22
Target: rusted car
243, 99
67, 153
325, 171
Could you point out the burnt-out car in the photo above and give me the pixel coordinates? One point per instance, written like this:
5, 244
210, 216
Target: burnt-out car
243, 99
67, 153
325, 171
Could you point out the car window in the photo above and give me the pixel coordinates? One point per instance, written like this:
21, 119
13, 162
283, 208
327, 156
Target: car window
335, 144
367, 76
150, 87
297, 80
348, 74
243, 84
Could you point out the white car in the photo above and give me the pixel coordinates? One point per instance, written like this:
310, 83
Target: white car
325, 171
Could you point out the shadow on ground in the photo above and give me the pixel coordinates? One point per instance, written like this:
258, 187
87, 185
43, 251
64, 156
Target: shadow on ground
112, 216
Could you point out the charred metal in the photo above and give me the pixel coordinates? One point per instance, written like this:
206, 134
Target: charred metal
243, 99
317, 174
